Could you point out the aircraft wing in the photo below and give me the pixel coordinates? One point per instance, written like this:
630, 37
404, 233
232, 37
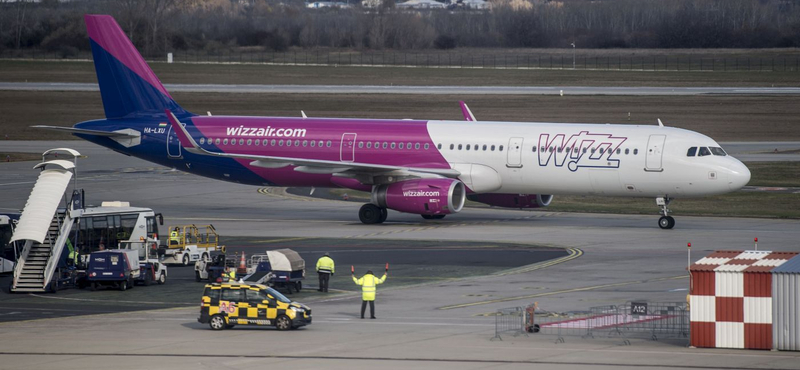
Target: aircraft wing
73, 130
302, 164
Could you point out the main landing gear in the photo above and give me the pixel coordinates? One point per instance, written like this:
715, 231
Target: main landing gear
372, 214
666, 221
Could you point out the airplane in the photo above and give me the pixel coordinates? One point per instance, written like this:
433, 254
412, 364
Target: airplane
425, 167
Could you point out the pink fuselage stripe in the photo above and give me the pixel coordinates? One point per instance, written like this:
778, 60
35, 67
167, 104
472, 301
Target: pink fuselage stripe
320, 131
105, 31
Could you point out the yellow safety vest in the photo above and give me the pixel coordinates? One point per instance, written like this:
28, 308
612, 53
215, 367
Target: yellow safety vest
173, 236
325, 264
368, 285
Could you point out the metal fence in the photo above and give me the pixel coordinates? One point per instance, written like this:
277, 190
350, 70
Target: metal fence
492, 59
651, 320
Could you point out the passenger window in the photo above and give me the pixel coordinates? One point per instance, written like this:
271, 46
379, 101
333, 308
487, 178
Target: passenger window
619, 150
484, 147
428, 146
475, 147
369, 145
627, 151
393, 145
212, 293
635, 151
400, 146
234, 295
416, 146
584, 150
202, 140
360, 144
258, 142
492, 147
233, 141
255, 297
451, 146
288, 143
265, 142
467, 146
305, 143
313, 143
249, 142
718, 151
272, 143
280, 142
692, 152
241, 141
225, 141
216, 141
500, 148
459, 146
297, 143
408, 145
328, 144
385, 145
704, 151
320, 144
439, 146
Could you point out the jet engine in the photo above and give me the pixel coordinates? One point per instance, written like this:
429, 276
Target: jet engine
513, 200
422, 196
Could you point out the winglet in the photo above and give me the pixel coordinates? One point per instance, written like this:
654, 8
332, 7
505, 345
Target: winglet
304, 114
183, 136
659, 122
467, 113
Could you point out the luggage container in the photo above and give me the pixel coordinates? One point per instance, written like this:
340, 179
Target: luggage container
282, 268
116, 267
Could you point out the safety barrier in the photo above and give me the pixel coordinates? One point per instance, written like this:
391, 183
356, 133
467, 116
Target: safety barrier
651, 320
509, 321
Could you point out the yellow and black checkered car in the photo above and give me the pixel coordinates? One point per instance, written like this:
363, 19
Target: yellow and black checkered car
227, 305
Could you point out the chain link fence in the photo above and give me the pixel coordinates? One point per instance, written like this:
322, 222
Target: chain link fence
650, 320
482, 59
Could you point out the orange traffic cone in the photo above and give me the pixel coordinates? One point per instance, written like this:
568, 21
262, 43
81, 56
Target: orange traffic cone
242, 266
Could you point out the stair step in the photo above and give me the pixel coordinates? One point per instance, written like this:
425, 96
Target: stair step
28, 290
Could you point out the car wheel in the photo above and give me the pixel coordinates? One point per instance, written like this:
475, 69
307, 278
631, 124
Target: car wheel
283, 322
93, 287
186, 260
217, 322
123, 285
148, 278
299, 286
162, 278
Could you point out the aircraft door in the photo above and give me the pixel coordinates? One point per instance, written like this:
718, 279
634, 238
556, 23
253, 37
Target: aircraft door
655, 150
347, 151
514, 152
173, 145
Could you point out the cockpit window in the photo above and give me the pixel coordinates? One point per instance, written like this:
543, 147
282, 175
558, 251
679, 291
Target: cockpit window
718, 151
692, 152
704, 151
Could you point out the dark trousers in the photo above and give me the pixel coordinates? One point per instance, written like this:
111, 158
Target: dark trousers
371, 308
324, 277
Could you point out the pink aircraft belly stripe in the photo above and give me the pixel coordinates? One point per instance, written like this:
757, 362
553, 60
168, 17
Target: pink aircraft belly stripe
105, 31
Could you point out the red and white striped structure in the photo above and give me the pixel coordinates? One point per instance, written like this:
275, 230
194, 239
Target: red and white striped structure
731, 299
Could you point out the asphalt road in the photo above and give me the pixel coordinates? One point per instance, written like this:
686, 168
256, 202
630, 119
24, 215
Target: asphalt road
428, 90
442, 324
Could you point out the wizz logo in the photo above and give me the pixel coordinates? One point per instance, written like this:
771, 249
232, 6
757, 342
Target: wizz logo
579, 150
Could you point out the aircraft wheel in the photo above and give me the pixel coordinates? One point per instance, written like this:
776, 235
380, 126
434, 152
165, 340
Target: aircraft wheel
384, 215
427, 217
666, 222
369, 214
438, 217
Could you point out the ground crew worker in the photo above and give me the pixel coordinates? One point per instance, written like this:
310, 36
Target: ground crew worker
73, 257
325, 268
231, 275
174, 238
369, 284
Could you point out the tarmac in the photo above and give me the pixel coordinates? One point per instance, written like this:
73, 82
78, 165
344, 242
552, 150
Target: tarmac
435, 90
442, 324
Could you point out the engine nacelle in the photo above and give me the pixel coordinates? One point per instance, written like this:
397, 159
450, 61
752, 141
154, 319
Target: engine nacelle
513, 200
422, 196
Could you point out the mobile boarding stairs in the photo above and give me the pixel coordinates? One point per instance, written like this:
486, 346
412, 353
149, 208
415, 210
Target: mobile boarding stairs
44, 227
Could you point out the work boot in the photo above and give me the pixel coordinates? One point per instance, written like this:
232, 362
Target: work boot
373, 317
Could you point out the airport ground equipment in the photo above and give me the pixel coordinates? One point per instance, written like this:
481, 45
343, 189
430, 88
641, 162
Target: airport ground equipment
8, 251
151, 270
194, 243
46, 226
212, 267
228, 304
282, 268
116, 267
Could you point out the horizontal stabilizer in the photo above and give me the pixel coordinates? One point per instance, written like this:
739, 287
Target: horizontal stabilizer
73, 130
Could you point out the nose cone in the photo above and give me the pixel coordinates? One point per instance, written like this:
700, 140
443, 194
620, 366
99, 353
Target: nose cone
738, 176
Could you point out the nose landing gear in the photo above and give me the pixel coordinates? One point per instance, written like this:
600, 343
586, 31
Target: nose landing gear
666, 221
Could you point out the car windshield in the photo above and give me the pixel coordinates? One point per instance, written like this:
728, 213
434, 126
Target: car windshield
280, 297
718, 151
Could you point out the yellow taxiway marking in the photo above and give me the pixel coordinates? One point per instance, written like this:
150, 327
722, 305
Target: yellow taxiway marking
573, 290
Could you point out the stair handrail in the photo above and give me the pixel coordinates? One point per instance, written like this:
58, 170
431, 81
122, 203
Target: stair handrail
57, 248
23, 257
